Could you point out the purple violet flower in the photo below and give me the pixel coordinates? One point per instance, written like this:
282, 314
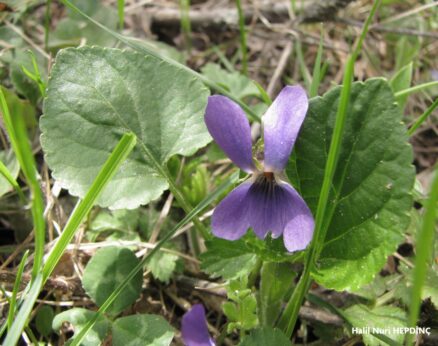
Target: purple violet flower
194, 328
266, 202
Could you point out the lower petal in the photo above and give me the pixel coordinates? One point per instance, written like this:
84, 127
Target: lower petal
270, 207
229, 220
298, 232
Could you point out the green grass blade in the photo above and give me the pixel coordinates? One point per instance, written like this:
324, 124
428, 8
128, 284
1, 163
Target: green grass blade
47, 19
264, 95
145, 50
424, 251
195, 211
13, 300
423, 117
186, 26
3, 327
316, 77
30, 334
243, 44
8, 176
20, 144
119, 154
36, 76
24, 312
415, 89
223, 59
293, 5
289, 317
121, 13
302, 64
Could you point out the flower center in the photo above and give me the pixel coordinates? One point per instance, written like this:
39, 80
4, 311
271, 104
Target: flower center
268, 176
265, 184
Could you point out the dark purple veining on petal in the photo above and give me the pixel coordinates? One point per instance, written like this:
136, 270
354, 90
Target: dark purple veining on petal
266, 206
229, 219
272, 206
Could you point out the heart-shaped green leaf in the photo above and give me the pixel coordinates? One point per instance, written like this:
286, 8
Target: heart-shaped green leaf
10, 161
94, 96
78, 318
371, 187
142, 330
229, 259
239, 85
107, 269
384, 320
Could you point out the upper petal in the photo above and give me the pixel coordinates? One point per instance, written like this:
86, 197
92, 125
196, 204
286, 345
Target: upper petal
229, 126
298, 232
281, 123
194, 328
229, 219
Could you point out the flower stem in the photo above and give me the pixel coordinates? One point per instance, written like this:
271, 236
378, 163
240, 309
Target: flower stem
255, 273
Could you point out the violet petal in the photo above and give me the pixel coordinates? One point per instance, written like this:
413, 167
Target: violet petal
282, 122
298, 232
194, 328
228, 125
271, 206
229, 219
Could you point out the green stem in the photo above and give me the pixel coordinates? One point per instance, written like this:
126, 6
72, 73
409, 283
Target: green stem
316, 76
8, 176
424, 250
31, 336
293, 6
186, 27
21, 319
302, 64
20, 144
255, 273
423, 117
13, 300
415, 89
243, 46
47, 25
121, 13
290, 315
